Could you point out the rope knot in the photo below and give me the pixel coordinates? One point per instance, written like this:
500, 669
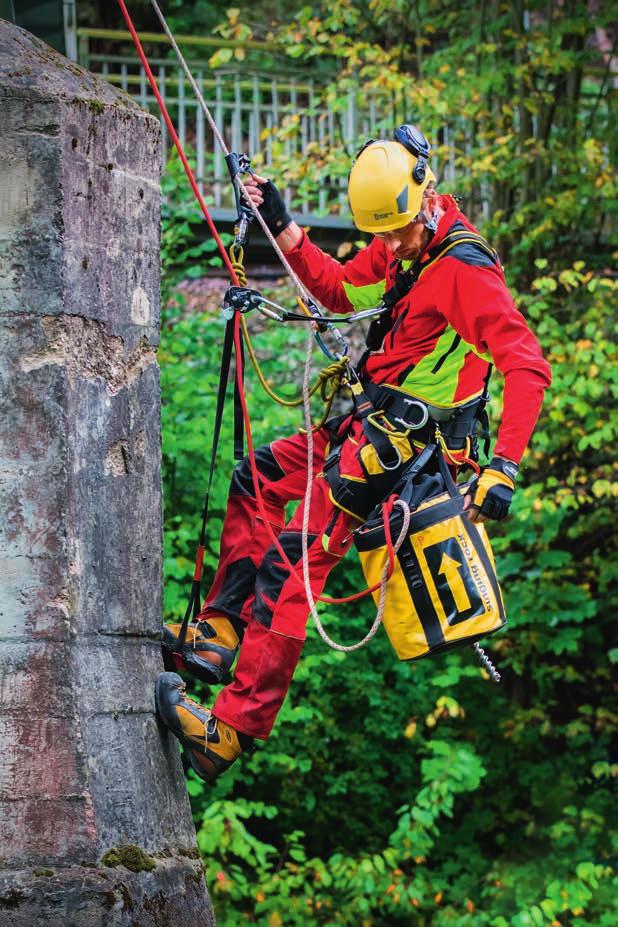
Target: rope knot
237, 260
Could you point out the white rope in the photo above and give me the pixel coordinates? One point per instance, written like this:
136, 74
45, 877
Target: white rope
306, 396
305, 532
219, 137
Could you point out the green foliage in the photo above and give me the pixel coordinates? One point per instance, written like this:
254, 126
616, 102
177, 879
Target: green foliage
494, 801
421, 795
515, 97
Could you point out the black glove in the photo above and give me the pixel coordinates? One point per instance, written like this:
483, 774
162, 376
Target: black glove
273, 210
494, 489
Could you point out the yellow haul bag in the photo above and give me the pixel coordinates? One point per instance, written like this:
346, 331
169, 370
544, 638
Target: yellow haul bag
443, 591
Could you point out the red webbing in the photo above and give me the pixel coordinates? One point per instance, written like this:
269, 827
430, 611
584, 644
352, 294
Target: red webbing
199, 562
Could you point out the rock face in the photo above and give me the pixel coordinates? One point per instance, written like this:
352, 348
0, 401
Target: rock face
95, 826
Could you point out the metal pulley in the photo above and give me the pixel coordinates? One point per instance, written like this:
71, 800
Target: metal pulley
243, 299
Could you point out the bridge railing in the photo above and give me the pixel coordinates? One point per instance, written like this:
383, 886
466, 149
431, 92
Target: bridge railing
268, 107
248, 104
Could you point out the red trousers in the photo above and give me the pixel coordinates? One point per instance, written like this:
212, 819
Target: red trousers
251, 582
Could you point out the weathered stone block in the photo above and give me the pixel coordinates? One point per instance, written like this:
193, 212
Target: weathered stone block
85, 766
31, 669
44, 832
171, 894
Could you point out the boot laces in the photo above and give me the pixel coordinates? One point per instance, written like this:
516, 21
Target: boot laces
197, 628
182, 688
210, 722
199, 621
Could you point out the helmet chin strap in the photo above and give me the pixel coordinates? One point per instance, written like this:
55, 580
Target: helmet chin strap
431, 223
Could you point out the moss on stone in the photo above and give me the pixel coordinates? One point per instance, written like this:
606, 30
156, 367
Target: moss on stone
189, 852
95, 106
127, 899
12, 897
130, 856
43, 872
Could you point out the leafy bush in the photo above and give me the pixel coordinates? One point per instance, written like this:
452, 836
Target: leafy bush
393, 794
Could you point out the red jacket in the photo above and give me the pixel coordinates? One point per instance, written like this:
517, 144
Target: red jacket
458, 316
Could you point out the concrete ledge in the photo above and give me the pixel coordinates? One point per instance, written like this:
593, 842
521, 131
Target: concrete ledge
171, 895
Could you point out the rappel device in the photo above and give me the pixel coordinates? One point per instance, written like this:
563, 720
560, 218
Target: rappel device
375, 540
238, 164
244, 299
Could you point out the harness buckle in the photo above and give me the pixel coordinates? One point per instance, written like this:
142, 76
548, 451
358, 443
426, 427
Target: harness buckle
424, 418
332, 458
396, 464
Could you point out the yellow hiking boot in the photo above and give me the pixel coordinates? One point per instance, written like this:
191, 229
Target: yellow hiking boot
209, 648
210, 745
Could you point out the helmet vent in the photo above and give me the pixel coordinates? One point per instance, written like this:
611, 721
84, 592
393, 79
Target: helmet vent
402, 200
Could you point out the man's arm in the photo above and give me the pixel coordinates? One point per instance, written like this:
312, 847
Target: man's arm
342, 288
480, 308
290, 237
358, 284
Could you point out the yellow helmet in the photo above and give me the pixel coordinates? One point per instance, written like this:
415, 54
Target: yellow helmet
387, 182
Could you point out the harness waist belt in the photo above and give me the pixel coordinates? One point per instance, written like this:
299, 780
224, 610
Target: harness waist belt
420, 417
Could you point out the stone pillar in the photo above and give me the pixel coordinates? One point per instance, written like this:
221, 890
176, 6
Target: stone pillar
95, 825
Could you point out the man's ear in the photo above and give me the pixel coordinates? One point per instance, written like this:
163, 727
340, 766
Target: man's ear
431, 199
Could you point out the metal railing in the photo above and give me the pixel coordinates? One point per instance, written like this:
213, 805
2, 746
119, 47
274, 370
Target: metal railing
249, 105
268, 108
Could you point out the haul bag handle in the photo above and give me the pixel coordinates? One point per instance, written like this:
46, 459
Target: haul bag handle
405, 485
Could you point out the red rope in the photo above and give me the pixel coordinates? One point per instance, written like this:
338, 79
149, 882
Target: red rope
237, 334
260, 501
177, 143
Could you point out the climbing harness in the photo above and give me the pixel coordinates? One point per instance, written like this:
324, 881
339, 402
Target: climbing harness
395, 422
238, 301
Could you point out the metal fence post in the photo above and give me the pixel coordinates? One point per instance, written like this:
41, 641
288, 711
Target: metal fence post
218, 159
182, 113
199, 135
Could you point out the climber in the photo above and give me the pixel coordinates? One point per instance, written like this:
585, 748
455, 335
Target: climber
428, 361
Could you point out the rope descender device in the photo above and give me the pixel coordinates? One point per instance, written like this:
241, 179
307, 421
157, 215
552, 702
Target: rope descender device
238, 164
243, 299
